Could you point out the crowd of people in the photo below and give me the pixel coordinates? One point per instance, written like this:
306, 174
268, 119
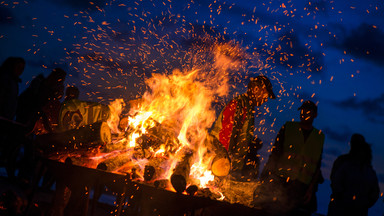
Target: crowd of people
288, 181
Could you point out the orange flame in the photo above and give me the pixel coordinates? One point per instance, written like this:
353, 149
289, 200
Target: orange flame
181, 104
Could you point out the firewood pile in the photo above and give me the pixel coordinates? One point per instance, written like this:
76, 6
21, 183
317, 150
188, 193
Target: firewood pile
93, 146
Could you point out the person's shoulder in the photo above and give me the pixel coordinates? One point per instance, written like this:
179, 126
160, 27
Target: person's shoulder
39, 77
37, 81
5, 77
318, 131
291, 124
232, 103
342, 159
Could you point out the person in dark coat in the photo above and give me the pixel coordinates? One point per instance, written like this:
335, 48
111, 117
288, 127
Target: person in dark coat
40, 99
11, 132
353, 181
38, 110
10, 71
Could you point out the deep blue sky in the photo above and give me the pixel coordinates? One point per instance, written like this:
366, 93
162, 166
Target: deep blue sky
331, 52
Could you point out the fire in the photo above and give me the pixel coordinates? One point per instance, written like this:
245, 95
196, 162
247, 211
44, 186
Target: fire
116, 108
169, 124
174, 115
199, 171
181, 105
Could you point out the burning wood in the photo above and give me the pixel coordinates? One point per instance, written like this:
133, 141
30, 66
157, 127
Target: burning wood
87, 136
154, 169
164, 140
115, 163
149, 172
181, 172
162, 184
221, 164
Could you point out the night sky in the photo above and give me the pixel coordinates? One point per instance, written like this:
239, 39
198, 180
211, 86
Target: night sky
330, 52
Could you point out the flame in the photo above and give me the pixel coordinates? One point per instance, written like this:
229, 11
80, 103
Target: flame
174, 115
160, 152
199, 171
115, 108
182, 105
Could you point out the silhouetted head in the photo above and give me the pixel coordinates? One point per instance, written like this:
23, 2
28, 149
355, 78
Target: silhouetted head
360, 149
259, 90
57, 76
55, 82
308, 112
72, 92
13, 65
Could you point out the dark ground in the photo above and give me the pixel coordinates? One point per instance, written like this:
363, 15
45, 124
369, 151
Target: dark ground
14, 196
14, 201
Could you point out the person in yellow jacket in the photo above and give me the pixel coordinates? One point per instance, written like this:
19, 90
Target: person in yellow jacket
290, 177
75, 113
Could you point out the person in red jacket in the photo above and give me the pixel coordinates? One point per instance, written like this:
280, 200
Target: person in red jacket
234, 127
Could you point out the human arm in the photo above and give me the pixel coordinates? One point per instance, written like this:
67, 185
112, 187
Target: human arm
276, 153
374, 191
312, 187
223, 127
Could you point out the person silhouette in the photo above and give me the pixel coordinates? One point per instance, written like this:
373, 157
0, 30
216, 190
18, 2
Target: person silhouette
10, 71
11, 134
354, 182
235, 125
40, 102
290, 177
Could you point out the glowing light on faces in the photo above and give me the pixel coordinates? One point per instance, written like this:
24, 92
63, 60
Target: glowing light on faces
307, 115
258, 95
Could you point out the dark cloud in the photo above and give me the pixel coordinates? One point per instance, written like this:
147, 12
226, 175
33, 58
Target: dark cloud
372, 108
342, 136
83, 4
320, 6
366, 41
6, 16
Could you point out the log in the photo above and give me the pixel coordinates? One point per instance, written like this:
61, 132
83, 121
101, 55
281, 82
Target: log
162, 184
157, 136
155, 165
221, 164
87, 136
119, 160
149, 173
115, 163
181, 172
191, 190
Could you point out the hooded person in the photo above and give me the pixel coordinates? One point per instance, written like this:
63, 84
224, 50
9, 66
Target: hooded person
354, 182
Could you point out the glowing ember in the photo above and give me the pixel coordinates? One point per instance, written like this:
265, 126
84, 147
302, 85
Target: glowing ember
200, 172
